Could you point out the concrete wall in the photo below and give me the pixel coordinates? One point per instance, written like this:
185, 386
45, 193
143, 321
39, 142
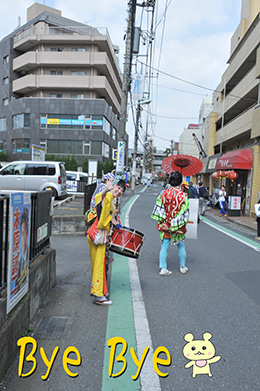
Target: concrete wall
42, 278
68, 225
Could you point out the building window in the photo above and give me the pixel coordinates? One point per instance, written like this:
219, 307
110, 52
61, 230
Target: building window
5, 101
3, 145
5, 59
114, 134
77, 96
78, 49
63, 121
87, 121
55, 95
21, 145
2, 124
105, 150
107, 126
21, 121
86, 149
6, 80
43, 143
97, 122
56, 73
77, 73
65, 146
96, 148
57, 49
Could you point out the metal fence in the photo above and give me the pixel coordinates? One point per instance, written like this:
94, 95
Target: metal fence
41, 222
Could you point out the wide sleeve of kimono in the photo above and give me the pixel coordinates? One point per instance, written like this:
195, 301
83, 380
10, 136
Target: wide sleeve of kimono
106, 213
158, 210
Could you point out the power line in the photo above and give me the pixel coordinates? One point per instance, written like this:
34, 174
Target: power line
197, 85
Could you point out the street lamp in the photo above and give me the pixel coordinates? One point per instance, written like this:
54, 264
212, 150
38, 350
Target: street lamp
138, 115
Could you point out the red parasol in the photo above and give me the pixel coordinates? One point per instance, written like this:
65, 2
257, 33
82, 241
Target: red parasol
186, 164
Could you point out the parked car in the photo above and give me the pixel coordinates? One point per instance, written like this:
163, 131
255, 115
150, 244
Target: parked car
76, 176
26, 175
72, 178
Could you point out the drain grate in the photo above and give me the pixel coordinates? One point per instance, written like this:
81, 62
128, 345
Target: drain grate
51, 328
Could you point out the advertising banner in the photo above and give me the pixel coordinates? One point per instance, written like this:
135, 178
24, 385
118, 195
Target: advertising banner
192, 226
19, 245
38, 153
137, 86
92, 171
120, 161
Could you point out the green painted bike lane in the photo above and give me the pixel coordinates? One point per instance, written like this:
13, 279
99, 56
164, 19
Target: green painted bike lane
120, 323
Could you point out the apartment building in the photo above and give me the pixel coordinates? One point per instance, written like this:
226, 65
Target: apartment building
60, 88
232, 130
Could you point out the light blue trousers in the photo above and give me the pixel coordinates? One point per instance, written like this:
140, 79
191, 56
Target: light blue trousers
164, 252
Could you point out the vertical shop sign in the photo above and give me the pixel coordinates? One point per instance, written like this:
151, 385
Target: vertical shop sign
120, 158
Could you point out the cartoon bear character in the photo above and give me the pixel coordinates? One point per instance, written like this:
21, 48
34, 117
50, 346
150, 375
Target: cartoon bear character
201, 354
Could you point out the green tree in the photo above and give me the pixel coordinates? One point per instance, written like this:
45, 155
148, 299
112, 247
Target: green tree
99, 169
108, 166
70, 162
85, 165
3, 156
50, 157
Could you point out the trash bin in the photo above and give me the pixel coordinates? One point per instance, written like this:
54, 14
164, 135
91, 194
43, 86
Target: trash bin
234, 205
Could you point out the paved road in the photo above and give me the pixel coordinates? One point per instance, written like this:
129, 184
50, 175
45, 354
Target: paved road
220, 295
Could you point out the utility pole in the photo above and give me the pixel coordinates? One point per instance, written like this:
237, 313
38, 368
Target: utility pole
138, 115
127, 69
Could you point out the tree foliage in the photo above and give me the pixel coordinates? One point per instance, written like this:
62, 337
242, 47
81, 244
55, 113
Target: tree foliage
3, 156
70, 161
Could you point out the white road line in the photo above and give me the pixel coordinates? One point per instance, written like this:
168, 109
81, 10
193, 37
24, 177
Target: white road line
148, 378
234, 236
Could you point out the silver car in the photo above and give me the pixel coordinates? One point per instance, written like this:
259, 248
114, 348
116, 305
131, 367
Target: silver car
34, 176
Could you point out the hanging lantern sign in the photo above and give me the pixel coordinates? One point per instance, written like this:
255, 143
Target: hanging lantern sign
224, 174
219, 174
215, 175
232, 175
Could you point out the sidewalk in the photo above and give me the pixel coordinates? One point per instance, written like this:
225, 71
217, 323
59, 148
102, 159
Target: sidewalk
75, 205
246, 221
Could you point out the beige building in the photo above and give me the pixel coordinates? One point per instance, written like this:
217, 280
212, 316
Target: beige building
232, 130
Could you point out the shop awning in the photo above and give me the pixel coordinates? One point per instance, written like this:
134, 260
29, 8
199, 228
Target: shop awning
239, 160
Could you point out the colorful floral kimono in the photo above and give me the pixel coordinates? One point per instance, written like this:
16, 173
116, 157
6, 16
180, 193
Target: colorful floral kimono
172, 213
97, 252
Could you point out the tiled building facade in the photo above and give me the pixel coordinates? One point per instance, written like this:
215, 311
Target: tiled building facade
61, 88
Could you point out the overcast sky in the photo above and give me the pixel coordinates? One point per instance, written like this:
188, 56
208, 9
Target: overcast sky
195, 48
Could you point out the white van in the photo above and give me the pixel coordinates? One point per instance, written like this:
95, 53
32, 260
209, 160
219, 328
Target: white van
30, 175
72, 178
